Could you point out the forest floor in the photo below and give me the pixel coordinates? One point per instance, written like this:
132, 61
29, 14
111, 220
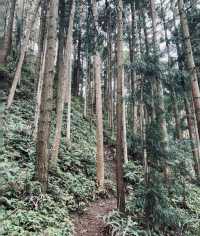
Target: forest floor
91, 223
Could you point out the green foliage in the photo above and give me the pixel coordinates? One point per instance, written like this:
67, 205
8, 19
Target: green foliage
24, 210
134, 143
133, 173
160, 208
121, 225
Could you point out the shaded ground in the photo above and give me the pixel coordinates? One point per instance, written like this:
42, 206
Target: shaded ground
91, 223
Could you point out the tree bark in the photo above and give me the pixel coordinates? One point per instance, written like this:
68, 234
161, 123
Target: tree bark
3, 14
8, 35
160, 108
62, 82
190, 118
109, 69
40, 63
39, 91
190, 61
99, 130
22, 55
46, 99
69, 95
173, 93
132, 60
99, 113
176, 116
120, 152
194, 139
77, 68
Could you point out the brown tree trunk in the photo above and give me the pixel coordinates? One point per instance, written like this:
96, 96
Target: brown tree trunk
46, 99
40, 63
179, 134
190, 118
99, 131
8, 34
173, 93
63, 73
99, 113
132, 60
109, 71
160, 108
87, 86
120, 152
77, 68
143, 135
194, 139
39, 91
68, 135
3, 18
190, 61
22, 55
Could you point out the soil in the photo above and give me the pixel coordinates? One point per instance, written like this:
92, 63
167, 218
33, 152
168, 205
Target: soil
91, 222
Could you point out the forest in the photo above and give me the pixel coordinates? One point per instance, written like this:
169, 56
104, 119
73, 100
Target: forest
99, 117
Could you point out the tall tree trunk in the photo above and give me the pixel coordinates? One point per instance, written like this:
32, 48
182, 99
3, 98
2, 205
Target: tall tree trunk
20, 16
160, 111
173, 93
99, 113
77, 67
132, 60
194, 139
176, 115
143, 133
190, 118
39, 90
120, 152
47, 99
99, 131
63, 73
152, 90
68, 135
190, 61
87, 84
8, 34
109, 69
22, 54
61, 44
40, 63
3, 18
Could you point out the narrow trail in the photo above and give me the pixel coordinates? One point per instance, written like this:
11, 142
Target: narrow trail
91, 223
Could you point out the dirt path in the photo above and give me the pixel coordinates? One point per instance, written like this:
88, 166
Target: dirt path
91, 223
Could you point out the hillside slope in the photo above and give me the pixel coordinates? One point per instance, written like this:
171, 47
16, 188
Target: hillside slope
23, 209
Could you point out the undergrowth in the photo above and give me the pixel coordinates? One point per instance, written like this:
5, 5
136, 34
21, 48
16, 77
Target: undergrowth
24, 210
156, 208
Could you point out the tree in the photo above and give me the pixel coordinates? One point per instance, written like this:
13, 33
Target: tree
77, 67
109, 67
99, 116
120, 142
99, 131
22, 53
40, 63
190, 116
160, 106
8, 34
46, 99
190, 61
132, 60
63, 76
